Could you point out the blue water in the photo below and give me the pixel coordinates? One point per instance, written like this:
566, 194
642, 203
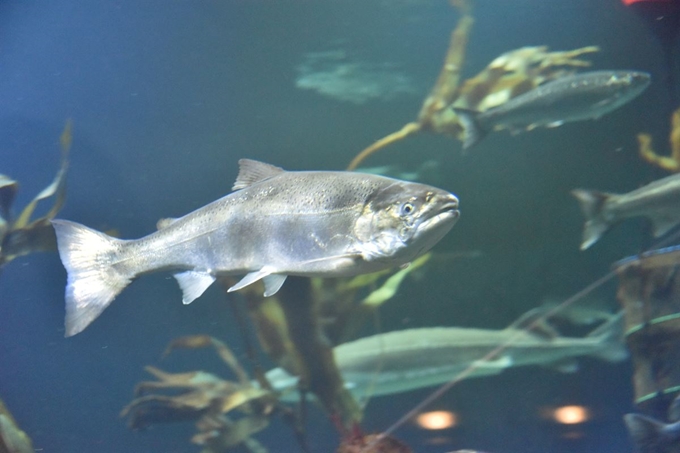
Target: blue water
166, 96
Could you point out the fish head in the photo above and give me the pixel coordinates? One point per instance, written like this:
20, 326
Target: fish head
628, 84
404, 220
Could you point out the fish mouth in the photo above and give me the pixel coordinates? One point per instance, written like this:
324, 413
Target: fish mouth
447, 212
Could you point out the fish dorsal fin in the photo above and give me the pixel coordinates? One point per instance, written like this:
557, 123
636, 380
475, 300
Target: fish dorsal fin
252, 171
532, 321
193, 284
164, 223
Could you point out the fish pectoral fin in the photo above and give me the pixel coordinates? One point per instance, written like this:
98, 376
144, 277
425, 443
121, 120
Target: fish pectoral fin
272, 283
252, 277
336, 261
193, 284
555, 124
500, 362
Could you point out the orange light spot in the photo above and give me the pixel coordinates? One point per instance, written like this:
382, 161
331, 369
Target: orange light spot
571, 415
437, 420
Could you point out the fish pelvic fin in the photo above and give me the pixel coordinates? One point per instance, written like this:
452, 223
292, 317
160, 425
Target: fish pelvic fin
592, 205
272, 282
647, 434
92, 285
474, 132
610, 338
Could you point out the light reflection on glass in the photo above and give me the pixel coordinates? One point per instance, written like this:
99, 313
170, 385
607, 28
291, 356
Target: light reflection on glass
436, 420
571, 415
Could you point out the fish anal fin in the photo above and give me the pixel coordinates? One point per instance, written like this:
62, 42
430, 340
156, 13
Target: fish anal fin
272, 283
567, 366
253, 171
193, 284
663, 224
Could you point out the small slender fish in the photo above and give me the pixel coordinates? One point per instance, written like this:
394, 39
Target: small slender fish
405, 360
653, 436
578, 97
277, 223
659, 201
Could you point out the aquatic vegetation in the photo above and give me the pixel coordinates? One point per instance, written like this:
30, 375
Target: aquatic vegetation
506, 77
12, 438
22, 236
206, 400
293, 328
671, 162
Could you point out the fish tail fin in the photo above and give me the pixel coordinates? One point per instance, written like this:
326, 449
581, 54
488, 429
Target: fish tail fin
473, 130
92, 284
610, 337
644, 431
592, 204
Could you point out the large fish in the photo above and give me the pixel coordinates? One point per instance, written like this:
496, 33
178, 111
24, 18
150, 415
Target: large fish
584, 96
277, 223
659, 201
404, 360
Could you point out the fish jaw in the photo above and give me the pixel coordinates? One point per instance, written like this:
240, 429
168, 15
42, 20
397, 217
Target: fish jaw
433, 229
404, 224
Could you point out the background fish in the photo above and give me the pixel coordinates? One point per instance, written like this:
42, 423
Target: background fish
584, 96
404, 360
659, 201
653, 436
322, 224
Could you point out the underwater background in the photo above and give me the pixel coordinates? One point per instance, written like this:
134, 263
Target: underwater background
166, 96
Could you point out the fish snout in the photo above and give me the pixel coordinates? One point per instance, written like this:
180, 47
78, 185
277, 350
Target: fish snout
640, 78
450, 202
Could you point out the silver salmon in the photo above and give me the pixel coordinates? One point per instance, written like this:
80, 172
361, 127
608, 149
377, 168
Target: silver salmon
659, 201
276, 223
578, 97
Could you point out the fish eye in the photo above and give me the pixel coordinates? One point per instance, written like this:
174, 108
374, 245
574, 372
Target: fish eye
407, 208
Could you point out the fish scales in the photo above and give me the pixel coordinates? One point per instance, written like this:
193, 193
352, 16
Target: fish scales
238, 231
276, 223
